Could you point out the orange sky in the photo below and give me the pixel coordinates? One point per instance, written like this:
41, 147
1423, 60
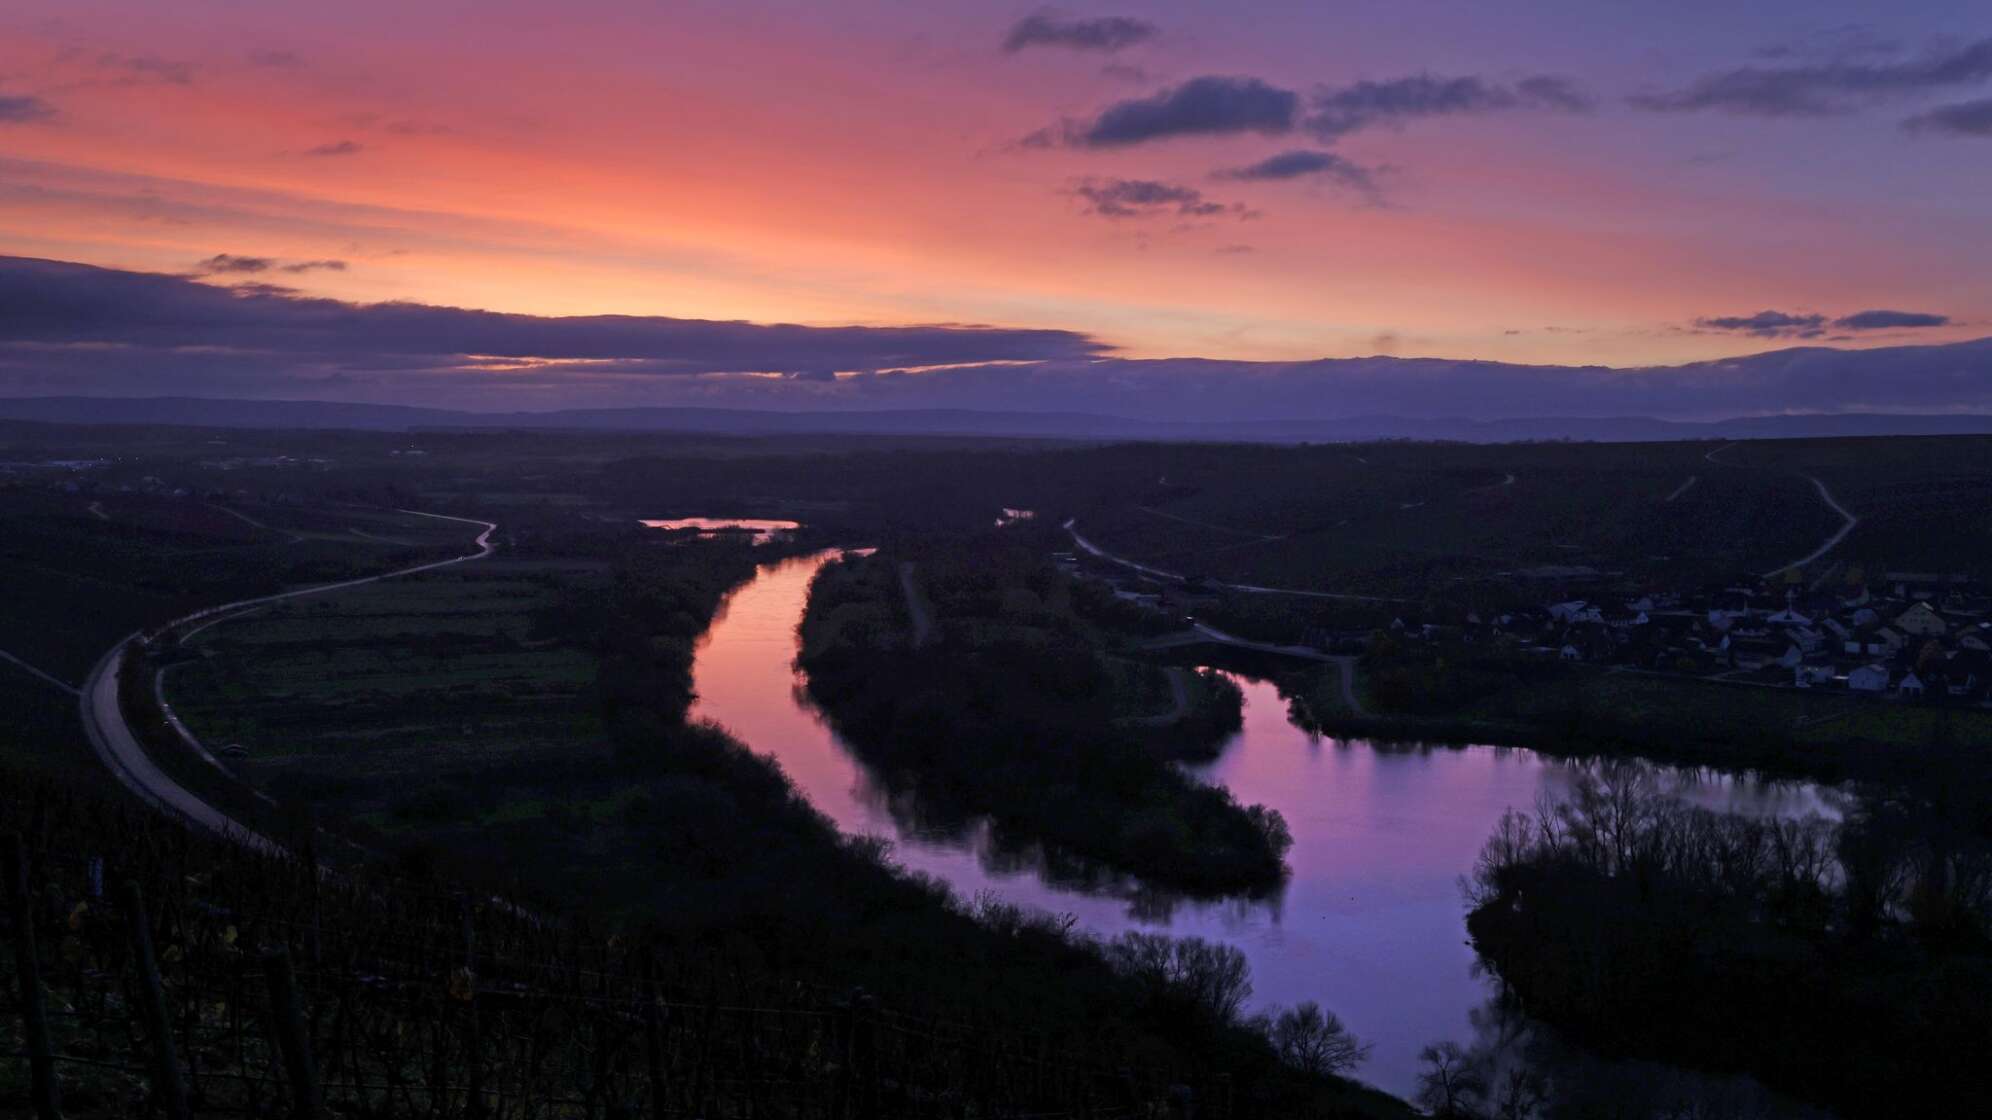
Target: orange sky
787, 165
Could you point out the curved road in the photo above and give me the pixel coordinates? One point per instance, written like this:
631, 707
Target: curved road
1846, 515
1848, 518
118, 746
1072, 527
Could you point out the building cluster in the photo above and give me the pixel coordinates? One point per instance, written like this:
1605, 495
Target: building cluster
1910, 636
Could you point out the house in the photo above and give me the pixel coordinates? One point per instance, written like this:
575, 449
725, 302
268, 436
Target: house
1910, 688
1576, 610
1922, 620
1868, 678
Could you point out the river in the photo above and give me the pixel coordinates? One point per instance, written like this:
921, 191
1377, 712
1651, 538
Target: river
1370, 925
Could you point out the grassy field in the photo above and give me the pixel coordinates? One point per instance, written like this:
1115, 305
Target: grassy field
1925, 503
41, 734
1401, 518
365, 700
81, 573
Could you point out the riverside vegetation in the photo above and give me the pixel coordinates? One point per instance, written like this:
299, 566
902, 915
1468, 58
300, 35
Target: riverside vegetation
1009, 713
1846, 963
638, 841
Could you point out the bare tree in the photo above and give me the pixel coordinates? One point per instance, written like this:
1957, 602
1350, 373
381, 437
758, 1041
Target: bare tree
1452, 1082
1315, 1041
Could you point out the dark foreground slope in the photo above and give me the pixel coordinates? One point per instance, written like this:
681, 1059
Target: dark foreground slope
428, 997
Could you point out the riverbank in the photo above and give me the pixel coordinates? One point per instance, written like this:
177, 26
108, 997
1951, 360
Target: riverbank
1012, 714
1586, 712
1845, 963
652, 822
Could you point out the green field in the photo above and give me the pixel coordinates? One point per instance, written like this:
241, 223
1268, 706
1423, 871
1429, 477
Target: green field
80, 573
363, 698
1401, 519
41, 733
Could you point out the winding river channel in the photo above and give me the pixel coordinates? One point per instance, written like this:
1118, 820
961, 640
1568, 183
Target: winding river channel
1371, 922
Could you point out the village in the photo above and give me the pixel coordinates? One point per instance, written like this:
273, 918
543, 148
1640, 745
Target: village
1903, 636
1912, 636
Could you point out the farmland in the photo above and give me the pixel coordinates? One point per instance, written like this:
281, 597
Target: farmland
1401, 519
82, 572
366, 698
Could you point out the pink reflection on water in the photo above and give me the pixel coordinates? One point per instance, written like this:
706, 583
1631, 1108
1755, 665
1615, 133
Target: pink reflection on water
1370, 924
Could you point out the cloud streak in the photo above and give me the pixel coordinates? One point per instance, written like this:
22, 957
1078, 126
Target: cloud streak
1767, 324
1341, 110
1227, 105
1785, 324
1147, 198
1303, 163
1107, 34
222, 264
1881, 320
21, 108
1829, 88
1214, 105
1967, 118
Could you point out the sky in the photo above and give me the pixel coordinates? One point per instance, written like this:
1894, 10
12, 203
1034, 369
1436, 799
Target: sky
942, 186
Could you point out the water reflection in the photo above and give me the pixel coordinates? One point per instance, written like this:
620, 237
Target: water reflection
759, 529
1527, 1071
1370, 923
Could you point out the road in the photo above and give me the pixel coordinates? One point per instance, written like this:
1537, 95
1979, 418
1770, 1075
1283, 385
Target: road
1848, 519
1200, 633
49, 677
1091, 549
118, 746
1177, 517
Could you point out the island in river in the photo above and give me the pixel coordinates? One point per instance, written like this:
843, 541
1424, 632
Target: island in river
1369, 922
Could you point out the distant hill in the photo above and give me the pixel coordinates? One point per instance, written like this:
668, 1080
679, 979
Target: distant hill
202, 412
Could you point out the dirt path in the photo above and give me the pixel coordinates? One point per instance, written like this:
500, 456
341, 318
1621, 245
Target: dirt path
1214, 527
916, 606
1179, 701
243, 517
1347, 664
1091, 549
1848, 518
51, 678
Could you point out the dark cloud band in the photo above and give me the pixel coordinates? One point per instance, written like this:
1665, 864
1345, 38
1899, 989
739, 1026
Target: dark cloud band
1219, 105
54, 304
1782, 324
